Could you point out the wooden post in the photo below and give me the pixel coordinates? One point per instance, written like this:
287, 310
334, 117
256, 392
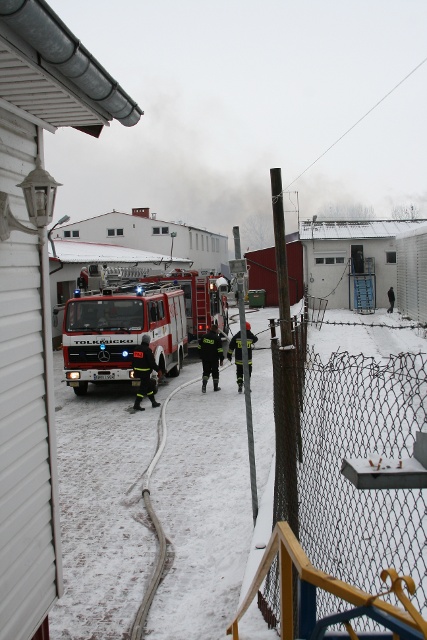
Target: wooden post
286, 460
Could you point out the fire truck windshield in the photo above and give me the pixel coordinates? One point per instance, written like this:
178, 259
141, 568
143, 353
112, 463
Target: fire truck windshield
100, 315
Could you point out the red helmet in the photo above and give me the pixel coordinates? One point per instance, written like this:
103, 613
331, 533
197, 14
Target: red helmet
248, 326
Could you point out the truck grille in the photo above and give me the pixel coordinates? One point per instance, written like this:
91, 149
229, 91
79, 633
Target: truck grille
83, 355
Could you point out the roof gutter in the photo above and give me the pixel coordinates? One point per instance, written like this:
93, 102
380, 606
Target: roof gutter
38, 24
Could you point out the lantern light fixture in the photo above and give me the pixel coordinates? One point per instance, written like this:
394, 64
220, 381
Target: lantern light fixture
39, 189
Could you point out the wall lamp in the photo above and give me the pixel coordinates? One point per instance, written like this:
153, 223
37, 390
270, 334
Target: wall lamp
39, 192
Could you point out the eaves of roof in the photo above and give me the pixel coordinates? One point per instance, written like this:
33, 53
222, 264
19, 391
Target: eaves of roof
49, 76
70, 251
340, 230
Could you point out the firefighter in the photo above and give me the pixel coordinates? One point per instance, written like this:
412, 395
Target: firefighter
236, 344
212, 355
143, 364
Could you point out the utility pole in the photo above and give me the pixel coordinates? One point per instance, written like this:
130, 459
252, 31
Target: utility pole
240, 267
286, 459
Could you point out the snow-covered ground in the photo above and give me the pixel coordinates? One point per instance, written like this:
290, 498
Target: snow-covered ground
200, 489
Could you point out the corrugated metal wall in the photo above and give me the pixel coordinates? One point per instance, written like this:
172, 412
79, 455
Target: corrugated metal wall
263, 275
412, 276
27, 553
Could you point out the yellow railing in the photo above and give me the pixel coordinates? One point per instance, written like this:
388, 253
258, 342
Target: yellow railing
284, 543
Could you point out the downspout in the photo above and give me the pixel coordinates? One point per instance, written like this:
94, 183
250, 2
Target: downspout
50, 394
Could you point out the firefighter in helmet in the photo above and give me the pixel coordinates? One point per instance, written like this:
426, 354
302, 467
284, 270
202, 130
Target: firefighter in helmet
144, 364
212, 355
236, 345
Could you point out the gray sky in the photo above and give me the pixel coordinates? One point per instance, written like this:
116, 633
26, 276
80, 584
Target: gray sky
233, 88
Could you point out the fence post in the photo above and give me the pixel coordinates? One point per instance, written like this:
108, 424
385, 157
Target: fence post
286, 460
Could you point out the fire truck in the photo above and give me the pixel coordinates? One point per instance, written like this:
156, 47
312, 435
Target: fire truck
102, 329
206, 301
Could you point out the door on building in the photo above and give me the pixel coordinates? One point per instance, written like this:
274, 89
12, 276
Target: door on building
357, 258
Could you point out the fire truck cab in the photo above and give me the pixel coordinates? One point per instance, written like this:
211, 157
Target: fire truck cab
102, 330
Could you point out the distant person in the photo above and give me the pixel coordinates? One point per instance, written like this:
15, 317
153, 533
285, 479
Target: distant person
212, 355
391, 299
358, 262
236, 344
144, 364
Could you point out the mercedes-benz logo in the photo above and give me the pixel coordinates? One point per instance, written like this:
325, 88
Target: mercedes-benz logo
104, 356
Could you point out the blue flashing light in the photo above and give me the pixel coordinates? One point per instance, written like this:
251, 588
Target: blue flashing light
102, 346
77, 293
139, 290
125, 354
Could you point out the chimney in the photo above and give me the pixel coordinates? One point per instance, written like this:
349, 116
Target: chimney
141, 212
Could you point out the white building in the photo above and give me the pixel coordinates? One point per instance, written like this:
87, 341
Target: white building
67, 258
338, 255
208, 251
411, 291
48, 79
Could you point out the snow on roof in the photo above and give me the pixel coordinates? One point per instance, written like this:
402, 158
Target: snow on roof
70, 251
413, 232
338, 230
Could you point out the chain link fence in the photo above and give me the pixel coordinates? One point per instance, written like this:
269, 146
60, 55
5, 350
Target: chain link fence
348, 407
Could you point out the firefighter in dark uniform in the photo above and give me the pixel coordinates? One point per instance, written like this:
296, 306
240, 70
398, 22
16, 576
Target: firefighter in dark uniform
143, 364
236, 344
212, 355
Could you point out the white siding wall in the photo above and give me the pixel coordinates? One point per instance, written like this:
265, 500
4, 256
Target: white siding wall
138, 234
324, 279
28, 570
412, 274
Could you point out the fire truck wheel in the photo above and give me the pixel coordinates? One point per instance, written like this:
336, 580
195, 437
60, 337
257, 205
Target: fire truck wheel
81, 390
175, 371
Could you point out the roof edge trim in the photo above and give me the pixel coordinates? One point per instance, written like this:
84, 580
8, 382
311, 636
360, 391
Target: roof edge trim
38, 24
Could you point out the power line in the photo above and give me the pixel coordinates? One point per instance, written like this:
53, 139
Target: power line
351, 128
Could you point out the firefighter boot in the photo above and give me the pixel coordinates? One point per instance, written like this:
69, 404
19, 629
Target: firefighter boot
216, 387
154, 404
204, 383
240, 387
137, 405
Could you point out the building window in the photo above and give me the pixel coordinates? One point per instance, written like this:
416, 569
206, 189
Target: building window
76, 234
165, 231
329, 260
207, 243
213, 244
111, 232
156, 231
120, 232
217, 245
67, 234
197, 241
203, 242
390, 257
191, 240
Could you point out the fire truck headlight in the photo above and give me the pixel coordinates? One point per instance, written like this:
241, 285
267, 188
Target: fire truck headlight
72, 375
132, 374
125, 354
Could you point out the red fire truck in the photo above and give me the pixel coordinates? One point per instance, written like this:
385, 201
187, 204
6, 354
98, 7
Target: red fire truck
101, 331
206, 300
